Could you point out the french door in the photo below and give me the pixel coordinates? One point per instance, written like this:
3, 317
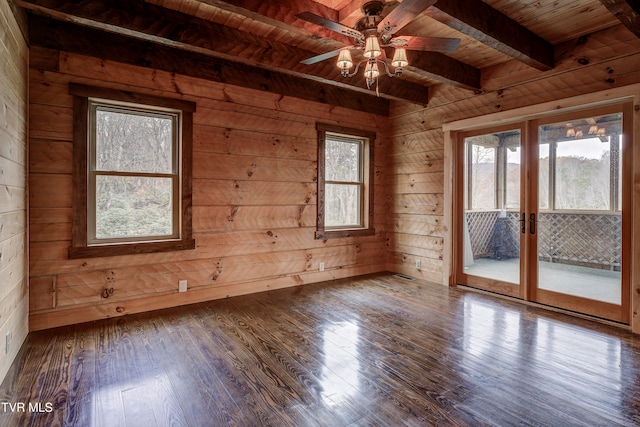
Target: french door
542, 210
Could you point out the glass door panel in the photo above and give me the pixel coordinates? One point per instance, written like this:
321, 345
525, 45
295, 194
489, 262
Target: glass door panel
492, 199
579, 223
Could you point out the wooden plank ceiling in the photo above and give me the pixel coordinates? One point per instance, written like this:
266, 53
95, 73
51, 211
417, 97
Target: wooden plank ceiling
260, 43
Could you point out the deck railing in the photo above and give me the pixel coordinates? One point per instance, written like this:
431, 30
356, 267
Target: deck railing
577, 238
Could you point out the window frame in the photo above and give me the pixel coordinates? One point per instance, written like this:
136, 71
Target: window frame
469, 199
83, 245
366, 159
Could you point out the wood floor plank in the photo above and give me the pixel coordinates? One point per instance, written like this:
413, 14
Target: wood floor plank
283, 340
111, 374
375, 350
244, 383
18, 379
82, 380
207, 394
434, 407
260, 379
383, 387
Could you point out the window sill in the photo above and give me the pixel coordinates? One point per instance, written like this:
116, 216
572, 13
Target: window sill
337, 234
76, 252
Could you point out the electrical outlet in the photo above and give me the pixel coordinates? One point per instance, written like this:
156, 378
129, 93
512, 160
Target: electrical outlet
182, 286
8, 346
321, 267
418, 264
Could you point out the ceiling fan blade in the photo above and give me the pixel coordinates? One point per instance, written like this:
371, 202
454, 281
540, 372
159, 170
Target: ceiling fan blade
330, 25
436, 44
321, 57
403, 14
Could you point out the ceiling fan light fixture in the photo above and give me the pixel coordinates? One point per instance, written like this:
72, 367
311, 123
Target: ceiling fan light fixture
372, 47
344, 60
399, 58
374, 31
371, 71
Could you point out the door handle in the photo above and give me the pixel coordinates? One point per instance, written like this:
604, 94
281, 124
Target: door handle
532, 223
523, 223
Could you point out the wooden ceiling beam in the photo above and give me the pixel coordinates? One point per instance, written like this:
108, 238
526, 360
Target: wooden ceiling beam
282, 14
350, 13
280, 10
141, 20
67, 37
435, 65
492, 28
137, 18
627, 12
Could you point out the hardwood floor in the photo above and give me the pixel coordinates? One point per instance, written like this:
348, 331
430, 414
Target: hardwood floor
370, 351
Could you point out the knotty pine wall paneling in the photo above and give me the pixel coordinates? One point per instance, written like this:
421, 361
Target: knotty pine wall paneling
254, 197
14, 301
416, 225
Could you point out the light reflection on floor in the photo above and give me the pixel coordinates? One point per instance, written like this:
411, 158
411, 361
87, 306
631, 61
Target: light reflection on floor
494, 335
341, 368
138, 398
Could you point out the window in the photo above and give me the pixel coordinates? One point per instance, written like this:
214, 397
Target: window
345, 182
132, 173
580, 164
492, 170
482, 175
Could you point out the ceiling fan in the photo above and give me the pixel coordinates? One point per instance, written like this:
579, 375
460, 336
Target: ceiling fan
374, 32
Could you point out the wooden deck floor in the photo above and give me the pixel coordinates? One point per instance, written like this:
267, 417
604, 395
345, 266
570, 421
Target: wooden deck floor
370, 351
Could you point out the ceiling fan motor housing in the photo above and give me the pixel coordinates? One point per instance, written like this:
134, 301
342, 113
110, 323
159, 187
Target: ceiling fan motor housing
373, 8
368, 25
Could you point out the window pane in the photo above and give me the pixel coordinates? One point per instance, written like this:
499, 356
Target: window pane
342, 160
491, 232
129, 141
583, 174
342, 205
133, 207
483, 177
582, 158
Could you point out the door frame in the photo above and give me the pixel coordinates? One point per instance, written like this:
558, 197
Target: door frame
582, 102
492, 285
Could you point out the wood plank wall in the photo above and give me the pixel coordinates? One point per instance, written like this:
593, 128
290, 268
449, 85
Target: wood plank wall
416, 222
14, 303
254, 201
